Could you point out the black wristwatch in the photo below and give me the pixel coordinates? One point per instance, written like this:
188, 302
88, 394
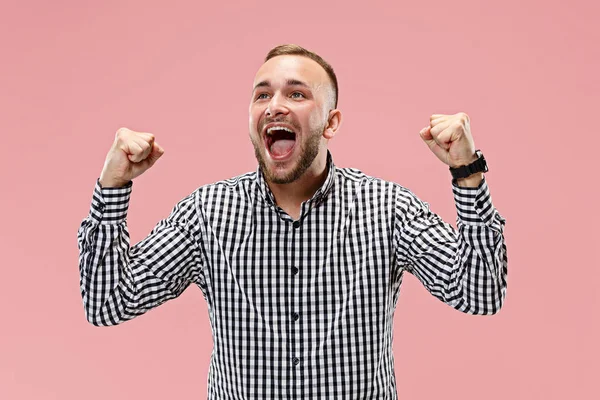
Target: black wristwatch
478, 165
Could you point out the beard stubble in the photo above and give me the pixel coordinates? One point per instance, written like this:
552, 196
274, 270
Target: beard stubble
308, 153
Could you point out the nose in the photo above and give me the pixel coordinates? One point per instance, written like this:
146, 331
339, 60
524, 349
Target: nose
276, 106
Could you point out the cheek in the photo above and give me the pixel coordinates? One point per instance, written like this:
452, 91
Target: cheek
315, 120
253, 119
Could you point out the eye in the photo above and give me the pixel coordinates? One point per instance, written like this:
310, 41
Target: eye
259, 97
295, 93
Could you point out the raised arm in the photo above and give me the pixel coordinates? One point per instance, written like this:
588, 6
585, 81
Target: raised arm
467, 268
119, 282
464, 268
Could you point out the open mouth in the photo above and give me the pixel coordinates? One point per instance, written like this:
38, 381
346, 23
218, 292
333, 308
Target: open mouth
280, 141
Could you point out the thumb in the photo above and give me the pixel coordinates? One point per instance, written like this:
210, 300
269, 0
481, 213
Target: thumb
155, 154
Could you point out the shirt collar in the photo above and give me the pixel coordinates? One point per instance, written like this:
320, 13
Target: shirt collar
319, 195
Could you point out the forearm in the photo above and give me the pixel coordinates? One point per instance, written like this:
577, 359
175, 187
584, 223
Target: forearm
465, 268
107, 286
119, 283
479, 284
480, 262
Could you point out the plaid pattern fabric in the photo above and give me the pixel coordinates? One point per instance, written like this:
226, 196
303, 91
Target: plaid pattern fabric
298, 309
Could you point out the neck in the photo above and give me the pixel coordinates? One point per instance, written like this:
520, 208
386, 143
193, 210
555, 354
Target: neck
289, 196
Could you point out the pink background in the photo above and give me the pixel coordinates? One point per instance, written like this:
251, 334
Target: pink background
526, 72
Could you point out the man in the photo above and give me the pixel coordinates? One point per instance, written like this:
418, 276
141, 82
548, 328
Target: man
300, 262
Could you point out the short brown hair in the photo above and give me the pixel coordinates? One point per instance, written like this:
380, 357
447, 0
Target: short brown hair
295, 50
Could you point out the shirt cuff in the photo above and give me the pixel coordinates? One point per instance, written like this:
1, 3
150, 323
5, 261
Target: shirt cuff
110, 205
474, 205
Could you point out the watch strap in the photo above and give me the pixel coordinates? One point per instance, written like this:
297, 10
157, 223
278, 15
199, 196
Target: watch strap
464, 171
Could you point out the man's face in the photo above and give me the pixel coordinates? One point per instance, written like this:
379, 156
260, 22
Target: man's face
289, 112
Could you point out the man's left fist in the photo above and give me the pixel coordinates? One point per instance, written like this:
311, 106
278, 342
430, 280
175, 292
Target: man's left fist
449, 138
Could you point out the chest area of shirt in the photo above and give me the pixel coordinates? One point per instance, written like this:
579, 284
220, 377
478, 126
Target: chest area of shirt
334, 244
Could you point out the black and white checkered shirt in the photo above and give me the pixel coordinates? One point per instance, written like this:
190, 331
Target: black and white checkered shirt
298, 309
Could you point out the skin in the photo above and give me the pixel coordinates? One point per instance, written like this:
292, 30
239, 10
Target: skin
131, 154
449, 138
297, 91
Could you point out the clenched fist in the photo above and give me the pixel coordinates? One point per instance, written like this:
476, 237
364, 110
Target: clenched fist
449, 138
131, 154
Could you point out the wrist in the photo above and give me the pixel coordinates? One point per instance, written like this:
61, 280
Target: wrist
470, 173
462, 163
107, 183
472, 181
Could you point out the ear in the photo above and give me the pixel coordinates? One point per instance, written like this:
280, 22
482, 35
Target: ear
335, 121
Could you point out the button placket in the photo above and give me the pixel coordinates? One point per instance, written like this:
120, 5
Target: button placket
296, 301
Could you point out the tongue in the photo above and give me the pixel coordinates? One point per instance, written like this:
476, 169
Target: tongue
281, 147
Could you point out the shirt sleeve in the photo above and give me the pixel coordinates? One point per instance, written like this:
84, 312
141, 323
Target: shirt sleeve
465, 268
119, 282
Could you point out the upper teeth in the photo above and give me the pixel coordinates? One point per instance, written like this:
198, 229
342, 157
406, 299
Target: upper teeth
271, 129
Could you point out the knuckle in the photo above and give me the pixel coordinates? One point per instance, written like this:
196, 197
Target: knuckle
122, 131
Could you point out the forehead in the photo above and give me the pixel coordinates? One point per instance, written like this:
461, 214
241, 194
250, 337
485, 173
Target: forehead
280, 69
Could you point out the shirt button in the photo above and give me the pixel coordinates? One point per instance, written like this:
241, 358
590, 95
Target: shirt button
296, 360
480, 204
295, 316
296, 224
294, 270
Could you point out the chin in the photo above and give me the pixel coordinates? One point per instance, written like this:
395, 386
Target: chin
282, 174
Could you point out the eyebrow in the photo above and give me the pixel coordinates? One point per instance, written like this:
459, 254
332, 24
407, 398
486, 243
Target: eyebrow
289, 82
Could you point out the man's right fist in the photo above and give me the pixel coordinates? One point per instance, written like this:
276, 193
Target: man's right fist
131, 154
